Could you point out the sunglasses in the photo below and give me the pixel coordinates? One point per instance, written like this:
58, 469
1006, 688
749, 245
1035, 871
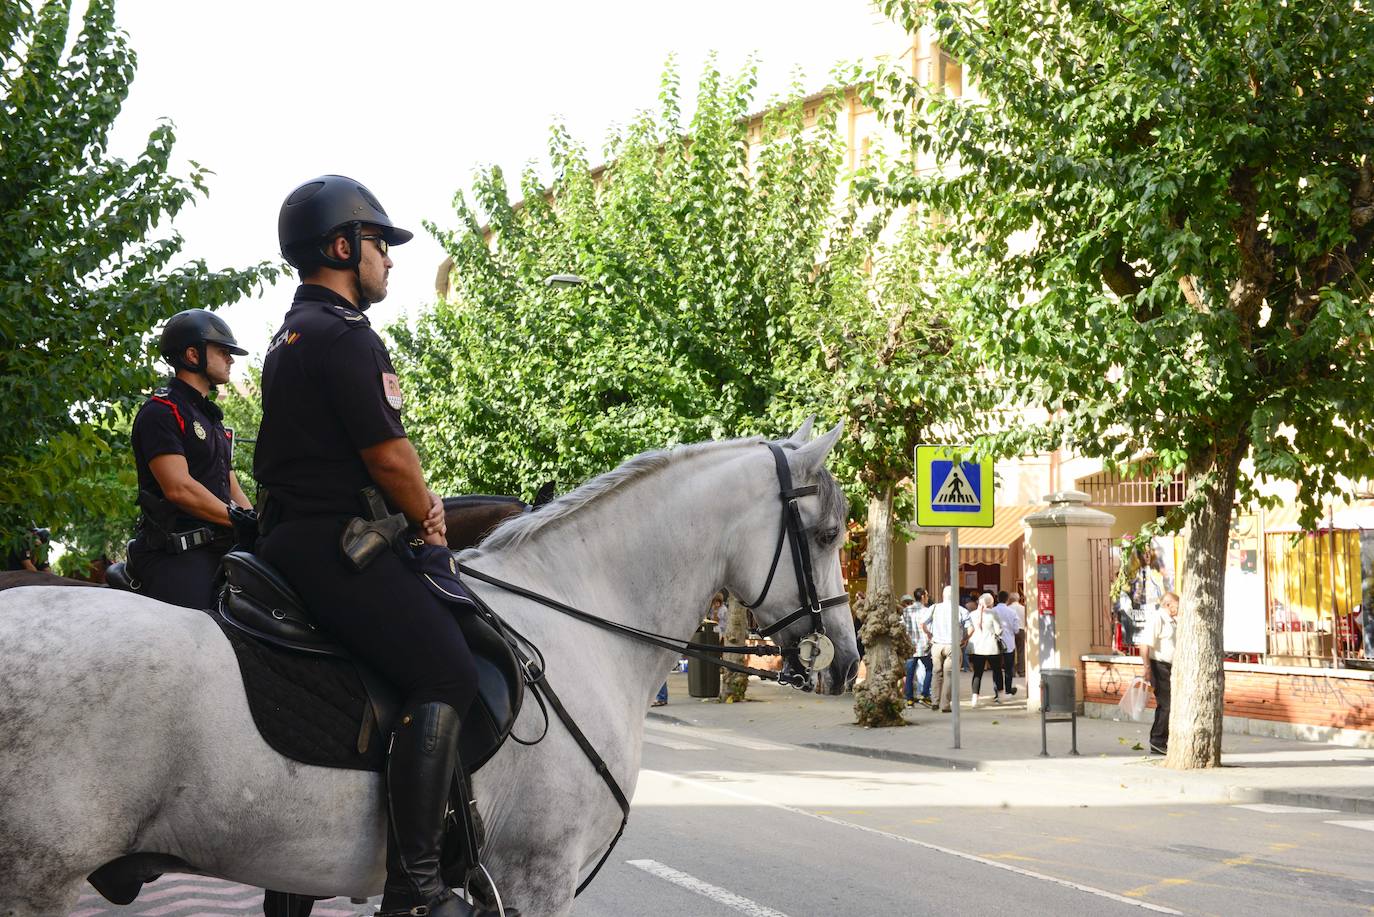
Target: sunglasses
382, 245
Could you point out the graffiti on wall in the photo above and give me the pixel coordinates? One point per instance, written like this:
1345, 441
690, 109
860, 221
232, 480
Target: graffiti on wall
1322, 689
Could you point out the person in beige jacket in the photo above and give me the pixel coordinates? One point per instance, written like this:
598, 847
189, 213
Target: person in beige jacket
1157, 657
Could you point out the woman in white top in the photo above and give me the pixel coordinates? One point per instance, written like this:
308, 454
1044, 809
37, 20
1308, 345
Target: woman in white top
985, 648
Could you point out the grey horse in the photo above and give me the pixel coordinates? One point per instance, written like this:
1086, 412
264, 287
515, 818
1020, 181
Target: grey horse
126, 728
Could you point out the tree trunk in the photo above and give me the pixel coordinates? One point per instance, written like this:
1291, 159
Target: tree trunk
733, 685
878, 701
1198, 679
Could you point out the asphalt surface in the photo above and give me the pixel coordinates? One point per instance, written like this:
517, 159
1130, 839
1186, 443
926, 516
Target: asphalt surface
727, 823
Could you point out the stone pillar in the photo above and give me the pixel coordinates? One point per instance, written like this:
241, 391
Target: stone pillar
1061, 530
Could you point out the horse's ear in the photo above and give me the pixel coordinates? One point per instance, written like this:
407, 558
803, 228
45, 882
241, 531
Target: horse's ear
803, 434
810, 458
545, 494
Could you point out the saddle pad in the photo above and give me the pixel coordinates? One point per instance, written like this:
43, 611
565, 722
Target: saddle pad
308, 707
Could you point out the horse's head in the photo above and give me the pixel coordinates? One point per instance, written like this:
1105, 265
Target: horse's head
790, 561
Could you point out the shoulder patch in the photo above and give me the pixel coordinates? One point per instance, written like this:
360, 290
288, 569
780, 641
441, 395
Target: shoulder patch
391, 387
349, 315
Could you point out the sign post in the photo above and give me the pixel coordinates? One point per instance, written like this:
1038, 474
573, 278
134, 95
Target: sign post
953, 491
954, 629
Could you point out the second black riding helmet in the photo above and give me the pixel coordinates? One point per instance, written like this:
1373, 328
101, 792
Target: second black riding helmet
323, 206
195, 328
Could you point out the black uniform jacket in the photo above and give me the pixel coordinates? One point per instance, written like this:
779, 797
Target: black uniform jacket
328, 391
178, 420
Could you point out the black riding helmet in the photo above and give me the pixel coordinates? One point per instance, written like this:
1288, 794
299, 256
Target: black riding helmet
195, 328
323, 206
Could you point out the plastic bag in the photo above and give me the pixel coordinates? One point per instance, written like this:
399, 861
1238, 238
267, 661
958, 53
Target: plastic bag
1134, 699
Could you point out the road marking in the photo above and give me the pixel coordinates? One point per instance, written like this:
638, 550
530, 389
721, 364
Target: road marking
705, 735
674, 744
705, 889
1055, 880
1271, 809
1367, 825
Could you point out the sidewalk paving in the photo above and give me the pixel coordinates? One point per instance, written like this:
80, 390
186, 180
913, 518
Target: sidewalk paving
1006, 739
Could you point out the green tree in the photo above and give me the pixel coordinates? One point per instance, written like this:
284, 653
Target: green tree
1164, 213
241, 402
886, 360
85, 266
693, 258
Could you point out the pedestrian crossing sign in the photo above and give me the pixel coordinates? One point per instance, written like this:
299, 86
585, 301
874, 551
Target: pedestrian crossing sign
953, 489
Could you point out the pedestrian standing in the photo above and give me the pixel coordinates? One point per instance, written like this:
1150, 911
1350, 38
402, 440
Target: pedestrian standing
944, 646
985, 648
970, 606
1011, 628
1014, 603
923, 661
1157, 656
718, 611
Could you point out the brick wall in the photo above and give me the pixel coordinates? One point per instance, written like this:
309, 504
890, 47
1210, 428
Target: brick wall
1327, 698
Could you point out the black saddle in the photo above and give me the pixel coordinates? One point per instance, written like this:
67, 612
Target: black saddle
259, 603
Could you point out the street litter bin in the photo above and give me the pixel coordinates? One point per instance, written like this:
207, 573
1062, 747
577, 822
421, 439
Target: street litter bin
703, 678
1058, 704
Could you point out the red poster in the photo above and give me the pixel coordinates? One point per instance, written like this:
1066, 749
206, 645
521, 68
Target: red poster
1044, 583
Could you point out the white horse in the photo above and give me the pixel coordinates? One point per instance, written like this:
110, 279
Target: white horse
126, 728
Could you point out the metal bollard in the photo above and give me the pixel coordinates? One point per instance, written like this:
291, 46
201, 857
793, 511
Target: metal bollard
703, 678
1058, 702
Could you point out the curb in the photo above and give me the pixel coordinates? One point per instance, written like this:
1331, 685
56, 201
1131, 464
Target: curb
1355, 805
1199, 791
904, 757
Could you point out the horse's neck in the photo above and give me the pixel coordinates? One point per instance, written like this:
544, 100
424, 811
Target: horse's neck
649, 555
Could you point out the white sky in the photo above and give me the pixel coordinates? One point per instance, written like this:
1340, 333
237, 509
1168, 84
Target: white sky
411, 97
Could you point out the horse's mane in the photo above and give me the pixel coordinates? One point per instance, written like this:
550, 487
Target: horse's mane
518, 529
11, 579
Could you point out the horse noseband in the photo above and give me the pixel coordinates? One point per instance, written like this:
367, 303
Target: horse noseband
814, 651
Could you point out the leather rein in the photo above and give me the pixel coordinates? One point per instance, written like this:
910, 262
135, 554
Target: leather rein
813, 651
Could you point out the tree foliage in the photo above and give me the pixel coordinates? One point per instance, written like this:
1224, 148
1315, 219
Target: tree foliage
889, 362
694, 257
85, 268
1164, 215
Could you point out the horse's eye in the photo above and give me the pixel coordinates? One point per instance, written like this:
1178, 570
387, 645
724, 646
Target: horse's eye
827, 536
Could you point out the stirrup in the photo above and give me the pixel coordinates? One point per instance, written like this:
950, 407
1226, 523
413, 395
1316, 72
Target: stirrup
419, 910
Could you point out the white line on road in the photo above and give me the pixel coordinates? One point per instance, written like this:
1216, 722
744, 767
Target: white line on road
706, 735
1362, 825
705, 889
1271, 809
674, 744
759, 800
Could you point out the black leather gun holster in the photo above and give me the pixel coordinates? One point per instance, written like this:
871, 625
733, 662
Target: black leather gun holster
365, 537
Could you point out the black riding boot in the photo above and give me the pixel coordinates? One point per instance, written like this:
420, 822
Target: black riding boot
419, 774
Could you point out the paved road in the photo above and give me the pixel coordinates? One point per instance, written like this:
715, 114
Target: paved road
728, 825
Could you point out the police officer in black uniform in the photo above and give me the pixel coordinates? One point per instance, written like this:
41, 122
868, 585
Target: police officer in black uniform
183, 454
331, 428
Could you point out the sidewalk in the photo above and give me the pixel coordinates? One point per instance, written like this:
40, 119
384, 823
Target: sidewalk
1006, 738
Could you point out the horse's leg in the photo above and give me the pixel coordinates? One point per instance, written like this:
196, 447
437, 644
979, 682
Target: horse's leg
286, 904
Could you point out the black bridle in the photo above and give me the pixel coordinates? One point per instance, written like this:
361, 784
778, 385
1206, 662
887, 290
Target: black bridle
792, 531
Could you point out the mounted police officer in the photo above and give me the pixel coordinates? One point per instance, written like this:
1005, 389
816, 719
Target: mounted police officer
341, 477
183, 452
